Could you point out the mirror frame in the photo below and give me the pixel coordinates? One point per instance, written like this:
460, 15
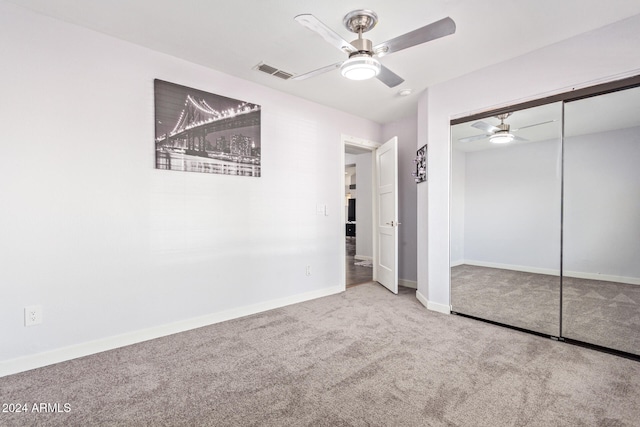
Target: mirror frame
600, 89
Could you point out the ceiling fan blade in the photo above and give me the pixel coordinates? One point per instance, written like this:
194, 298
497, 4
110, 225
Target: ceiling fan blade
317, 72
330, 36
530, 126
433, 31
485, 127
388, 77
517, 138
473, 138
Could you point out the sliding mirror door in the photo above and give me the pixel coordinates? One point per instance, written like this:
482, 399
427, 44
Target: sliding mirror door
601, 226
506, 217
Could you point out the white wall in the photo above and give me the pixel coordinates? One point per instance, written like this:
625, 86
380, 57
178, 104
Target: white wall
116, 251
406, 130
579, 61
422, 202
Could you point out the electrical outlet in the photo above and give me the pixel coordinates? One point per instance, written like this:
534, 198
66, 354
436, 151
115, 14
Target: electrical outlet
32, 315
308, 270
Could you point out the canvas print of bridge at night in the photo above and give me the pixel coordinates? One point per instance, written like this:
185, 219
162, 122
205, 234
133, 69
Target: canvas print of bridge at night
198, 131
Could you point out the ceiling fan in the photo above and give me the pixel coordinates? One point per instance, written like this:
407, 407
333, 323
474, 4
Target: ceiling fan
363, 61
500, 134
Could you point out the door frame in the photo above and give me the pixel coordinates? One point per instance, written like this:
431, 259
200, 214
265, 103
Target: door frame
371, 146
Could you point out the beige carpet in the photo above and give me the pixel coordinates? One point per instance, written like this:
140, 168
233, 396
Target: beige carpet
361, 358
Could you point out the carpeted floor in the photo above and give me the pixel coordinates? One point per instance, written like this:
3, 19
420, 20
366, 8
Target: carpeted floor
597, 312
364, 357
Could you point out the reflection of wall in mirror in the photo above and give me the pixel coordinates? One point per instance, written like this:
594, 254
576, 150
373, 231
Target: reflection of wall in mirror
512, 207
505, 207
602, 206
458, 160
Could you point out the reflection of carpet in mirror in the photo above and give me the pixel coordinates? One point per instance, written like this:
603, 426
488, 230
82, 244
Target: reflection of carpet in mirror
602, 313
597, 312
516, 298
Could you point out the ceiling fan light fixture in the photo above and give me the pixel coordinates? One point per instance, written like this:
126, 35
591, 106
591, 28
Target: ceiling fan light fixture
360, 67
501, 138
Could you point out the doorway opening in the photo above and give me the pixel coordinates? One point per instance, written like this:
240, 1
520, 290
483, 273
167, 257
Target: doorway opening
358, 242
358, 198
376, 207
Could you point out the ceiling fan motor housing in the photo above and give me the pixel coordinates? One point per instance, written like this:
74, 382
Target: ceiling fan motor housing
361, 64
503, 127
362, 46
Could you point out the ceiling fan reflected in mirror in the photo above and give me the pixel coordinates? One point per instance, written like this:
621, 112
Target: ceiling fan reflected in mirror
500, 134
363, 62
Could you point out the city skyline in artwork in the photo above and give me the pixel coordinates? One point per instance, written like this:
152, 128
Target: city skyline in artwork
197, 131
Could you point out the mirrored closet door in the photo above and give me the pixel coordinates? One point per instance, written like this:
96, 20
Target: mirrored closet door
545, 217
601, 248
505, 223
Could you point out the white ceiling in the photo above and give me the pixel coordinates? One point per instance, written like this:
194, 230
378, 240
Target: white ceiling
234, 36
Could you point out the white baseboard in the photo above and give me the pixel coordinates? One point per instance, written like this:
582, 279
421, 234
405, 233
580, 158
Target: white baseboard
39, 360
423, 300
554, 272
525, 268
433, 306
408, 283
363, 258
440, 308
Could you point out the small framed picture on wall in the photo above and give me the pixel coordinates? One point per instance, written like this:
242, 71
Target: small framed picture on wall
420, 174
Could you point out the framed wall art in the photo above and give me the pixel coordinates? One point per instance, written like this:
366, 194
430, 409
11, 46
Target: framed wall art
420, 174
197, 131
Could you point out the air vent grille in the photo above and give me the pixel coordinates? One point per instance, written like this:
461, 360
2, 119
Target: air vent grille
267, 69
275, 72
282, 74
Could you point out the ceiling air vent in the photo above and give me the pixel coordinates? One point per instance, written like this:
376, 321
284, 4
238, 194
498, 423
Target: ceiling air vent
273, 71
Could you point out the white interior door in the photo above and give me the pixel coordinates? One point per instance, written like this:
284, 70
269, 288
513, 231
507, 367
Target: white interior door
386, 218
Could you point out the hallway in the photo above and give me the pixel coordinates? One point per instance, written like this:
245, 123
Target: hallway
356, 274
